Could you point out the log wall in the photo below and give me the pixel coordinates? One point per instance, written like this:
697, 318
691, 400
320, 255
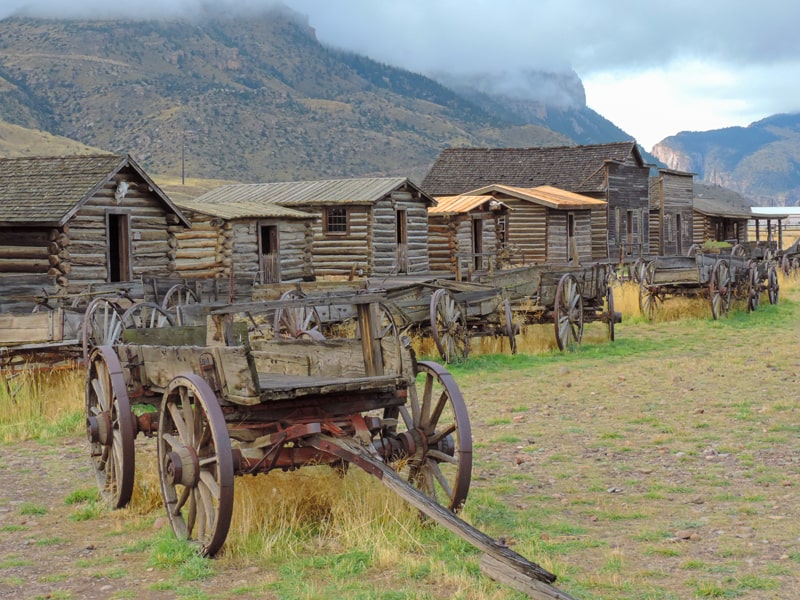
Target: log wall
526, 233
213, 246
384, 236
77, 253
443, 242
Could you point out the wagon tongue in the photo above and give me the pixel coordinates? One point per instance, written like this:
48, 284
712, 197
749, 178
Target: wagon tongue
500, 562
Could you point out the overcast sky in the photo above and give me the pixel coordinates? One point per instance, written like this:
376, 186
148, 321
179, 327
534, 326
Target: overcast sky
653, 68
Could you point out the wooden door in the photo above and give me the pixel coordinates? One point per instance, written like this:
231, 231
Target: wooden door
269, 254
118, 232
402, 241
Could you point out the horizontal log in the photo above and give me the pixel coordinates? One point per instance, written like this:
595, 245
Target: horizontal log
196, 253
32, 252
24, 265
194, 234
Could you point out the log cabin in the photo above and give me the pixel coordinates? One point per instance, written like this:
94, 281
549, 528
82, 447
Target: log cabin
85, 219
466, 233
615, 173
671, 212
545, 224
236, 238
361, 227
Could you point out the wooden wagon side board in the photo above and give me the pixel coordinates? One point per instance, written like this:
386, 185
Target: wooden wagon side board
41, 327
227, 369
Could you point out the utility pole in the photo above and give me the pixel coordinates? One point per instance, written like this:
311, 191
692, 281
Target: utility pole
183, 154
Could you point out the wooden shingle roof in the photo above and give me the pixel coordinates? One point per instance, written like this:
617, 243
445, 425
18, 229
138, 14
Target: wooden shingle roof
578, 169
49, 190
718, 201
545, 195
242, 210
302, 193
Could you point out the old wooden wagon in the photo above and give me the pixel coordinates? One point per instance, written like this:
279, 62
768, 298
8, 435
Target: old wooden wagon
710, 275
40, 323
228, 406
567, 296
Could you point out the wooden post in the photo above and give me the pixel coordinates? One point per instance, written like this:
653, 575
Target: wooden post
370, 344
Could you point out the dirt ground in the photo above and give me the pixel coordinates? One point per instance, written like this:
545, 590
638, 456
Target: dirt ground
674, 472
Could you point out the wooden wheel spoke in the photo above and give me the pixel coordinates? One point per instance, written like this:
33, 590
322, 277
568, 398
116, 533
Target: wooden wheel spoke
186, 492
440, 435
408, 419
442, 457
176, 415
173, 442
434, 469
437, 411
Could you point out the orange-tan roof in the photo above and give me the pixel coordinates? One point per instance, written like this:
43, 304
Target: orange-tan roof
546, 195
461, 204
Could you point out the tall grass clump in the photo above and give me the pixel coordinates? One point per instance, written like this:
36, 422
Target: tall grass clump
37, 404
319, 509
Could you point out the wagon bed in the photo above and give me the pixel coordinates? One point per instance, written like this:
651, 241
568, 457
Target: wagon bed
233, 405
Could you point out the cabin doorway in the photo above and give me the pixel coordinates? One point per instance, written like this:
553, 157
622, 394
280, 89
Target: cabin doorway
572, 247
477, 244
402, 241
269, 254
118, 230
679, 232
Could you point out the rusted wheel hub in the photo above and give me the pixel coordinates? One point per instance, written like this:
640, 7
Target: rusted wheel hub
182, 467
99, 429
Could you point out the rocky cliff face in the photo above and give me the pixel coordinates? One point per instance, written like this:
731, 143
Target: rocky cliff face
760, 161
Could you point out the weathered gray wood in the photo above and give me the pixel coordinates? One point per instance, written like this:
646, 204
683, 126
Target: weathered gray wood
525, 571
503, 573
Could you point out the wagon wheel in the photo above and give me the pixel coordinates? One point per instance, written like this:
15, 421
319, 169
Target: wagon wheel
772, 284
102, 326
177, 296
440, 462
738, 250
648, 295
610, 312
568, 313
195, 463
511, 329
146, 315
298, 321
109, 427
786, 266
694, 249
753, 287
720, 289
636, 270
448, 327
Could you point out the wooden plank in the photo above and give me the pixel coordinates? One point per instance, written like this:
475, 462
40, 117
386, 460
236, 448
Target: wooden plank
538, 580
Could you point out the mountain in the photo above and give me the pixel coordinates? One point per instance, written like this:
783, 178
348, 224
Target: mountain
257, 98
760, 161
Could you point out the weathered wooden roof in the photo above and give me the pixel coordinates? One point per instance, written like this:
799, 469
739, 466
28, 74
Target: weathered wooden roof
304, 193
464, 204
49, 190
546, 195
718, 201
579, 169
243, 210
